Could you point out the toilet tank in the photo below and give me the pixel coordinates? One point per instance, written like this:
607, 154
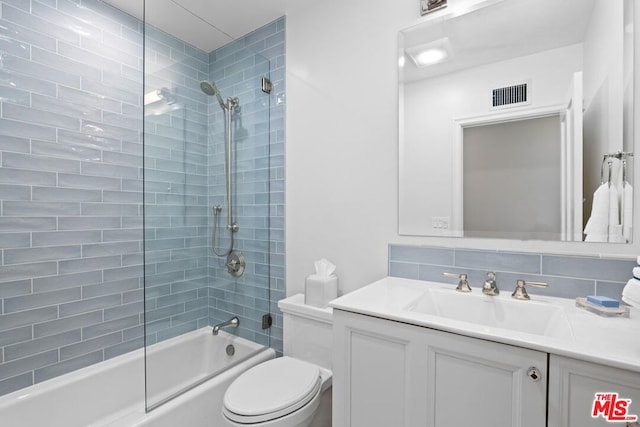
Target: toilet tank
308, 331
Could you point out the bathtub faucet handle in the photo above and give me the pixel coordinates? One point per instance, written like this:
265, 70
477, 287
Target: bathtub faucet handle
234, 322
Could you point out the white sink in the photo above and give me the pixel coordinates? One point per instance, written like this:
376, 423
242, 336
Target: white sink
501, 311
549, 324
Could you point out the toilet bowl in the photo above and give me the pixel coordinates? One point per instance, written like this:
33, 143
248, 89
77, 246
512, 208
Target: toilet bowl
283, 392
293, 390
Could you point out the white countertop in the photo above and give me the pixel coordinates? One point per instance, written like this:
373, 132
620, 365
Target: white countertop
613, 341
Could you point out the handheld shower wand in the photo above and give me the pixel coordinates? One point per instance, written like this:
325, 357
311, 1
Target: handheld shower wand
211, 89
235, 262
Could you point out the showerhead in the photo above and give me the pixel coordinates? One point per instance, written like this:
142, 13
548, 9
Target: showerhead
210, 89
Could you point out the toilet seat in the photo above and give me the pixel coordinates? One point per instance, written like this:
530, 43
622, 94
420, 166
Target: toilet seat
272, 390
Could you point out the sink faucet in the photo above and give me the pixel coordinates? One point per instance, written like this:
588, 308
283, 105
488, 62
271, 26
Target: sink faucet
463, 284
234, 322
521, 293
490, 286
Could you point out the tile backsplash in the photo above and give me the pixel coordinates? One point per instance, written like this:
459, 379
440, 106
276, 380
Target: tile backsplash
567, 276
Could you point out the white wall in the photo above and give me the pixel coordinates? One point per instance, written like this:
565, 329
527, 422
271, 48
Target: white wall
342, 148
342, 136
603, 92
603, 63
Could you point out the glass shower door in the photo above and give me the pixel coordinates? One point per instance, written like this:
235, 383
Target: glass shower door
247, 295
188, 289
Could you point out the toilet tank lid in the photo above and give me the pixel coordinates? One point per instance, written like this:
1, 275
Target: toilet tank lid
295, 305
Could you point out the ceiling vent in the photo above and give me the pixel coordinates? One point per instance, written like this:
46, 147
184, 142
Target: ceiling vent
511, 96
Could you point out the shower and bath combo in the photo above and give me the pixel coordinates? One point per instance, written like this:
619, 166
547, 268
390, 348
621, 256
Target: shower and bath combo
235, 260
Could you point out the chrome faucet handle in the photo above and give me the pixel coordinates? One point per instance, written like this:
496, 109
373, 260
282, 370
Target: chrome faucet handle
490, 286
521, 293
463, 284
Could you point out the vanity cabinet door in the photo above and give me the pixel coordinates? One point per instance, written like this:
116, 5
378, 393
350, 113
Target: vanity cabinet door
572, 390
379, 372
483, 383
392, 374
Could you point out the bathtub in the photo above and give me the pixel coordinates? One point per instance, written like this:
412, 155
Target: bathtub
112, 393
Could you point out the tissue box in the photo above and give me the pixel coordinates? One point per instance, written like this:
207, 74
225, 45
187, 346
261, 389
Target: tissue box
319, 290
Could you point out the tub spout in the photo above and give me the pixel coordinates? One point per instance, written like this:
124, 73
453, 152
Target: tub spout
234, 322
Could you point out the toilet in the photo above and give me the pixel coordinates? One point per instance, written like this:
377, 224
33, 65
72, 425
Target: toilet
293, 390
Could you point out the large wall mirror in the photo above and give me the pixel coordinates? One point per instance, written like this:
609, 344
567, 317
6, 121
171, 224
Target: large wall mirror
516, 122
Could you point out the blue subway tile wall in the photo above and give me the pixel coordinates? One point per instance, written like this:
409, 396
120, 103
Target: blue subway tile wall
568, 276
71, 189
237, 70
175, 187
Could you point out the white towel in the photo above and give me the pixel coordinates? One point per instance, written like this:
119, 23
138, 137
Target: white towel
631, 293
615, 234
636, 272
615, 231
597, 227
627, 212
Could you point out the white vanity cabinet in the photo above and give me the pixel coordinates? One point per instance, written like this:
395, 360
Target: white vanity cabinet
391, 374
573, 385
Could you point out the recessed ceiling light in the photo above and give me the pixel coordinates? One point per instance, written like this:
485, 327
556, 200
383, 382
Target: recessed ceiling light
430, 56
430, 53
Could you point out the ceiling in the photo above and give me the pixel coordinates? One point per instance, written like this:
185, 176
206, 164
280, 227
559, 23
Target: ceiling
506, 29
205, 24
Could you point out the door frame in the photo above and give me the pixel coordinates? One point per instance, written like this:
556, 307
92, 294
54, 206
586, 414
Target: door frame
522, 113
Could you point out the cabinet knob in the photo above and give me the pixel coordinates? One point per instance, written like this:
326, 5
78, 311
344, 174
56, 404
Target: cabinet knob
534, 374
